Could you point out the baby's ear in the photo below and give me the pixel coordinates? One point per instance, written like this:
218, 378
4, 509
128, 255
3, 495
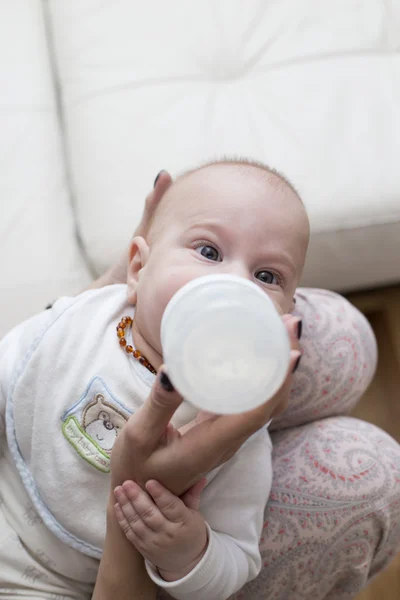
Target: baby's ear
138, 256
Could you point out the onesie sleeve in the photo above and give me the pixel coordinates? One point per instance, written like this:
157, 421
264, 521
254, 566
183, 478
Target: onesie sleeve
233, 506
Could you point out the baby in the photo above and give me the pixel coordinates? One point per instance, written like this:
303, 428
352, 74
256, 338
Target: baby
69, 382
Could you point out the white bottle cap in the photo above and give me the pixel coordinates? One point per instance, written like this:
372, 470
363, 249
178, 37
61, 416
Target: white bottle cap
224, 344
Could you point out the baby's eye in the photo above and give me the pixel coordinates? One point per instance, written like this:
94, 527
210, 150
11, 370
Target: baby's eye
267, 277
209, 252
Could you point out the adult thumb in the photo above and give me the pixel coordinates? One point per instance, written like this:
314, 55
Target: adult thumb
191, 498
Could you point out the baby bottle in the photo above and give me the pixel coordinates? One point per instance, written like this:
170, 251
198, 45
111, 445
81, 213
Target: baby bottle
224, 344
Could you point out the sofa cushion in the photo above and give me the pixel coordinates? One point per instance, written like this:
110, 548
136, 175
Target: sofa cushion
310, 88
40, 258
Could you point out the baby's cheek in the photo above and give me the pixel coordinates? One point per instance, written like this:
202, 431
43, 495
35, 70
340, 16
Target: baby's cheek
175, 279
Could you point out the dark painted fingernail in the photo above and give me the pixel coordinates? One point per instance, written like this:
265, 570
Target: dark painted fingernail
296, 366
156, 179
299, 329
166, 382
294, 300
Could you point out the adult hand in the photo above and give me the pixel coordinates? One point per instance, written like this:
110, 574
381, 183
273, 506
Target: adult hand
162, 182
117, 272
148, 447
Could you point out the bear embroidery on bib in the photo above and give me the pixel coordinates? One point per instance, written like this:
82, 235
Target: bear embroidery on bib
93, 423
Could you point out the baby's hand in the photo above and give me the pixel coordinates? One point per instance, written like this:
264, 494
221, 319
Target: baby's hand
168, 531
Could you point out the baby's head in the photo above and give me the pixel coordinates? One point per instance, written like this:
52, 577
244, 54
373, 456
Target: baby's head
233, 216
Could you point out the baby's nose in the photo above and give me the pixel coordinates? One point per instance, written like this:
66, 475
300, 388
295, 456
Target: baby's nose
239, 270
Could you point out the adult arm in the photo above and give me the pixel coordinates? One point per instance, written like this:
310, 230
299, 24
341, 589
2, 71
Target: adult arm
232, 505
149, 448
122, 574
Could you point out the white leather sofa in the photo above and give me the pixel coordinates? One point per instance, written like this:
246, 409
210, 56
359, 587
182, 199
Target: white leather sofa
96, 98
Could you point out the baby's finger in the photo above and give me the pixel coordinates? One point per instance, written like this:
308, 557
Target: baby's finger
125, 504
123, 522
125, 512
170, 506
134, 528
141, 507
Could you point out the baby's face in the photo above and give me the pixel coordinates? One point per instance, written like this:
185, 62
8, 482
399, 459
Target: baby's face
220, 219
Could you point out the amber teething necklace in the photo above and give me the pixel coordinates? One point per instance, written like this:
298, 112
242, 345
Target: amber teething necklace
127, 322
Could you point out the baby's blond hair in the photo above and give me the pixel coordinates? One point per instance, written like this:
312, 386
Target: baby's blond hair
244, 162
241, 162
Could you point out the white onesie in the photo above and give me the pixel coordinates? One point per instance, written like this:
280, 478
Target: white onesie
66, 390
